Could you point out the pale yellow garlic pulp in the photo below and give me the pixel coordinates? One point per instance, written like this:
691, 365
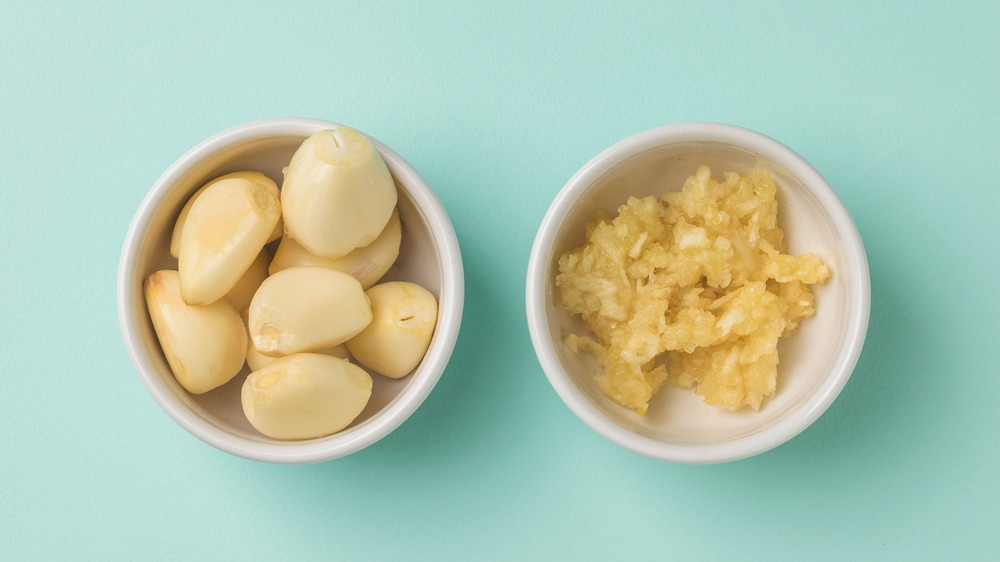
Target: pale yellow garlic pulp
305, 309
403, 319
337, 193
205, 346
225, 231
305, 395
175, 237
366, 264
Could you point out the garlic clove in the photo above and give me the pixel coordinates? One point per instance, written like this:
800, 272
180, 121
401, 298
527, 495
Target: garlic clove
337, 193
305, 395
257, 360
205, 346
305, 309
366, 264
242, 293
224, 233
403, 319
175, 237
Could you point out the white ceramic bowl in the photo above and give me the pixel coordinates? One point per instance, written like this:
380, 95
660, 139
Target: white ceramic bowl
429, 255
815, 363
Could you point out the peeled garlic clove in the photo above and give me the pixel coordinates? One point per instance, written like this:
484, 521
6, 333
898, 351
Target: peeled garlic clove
175, 238
367, 264
337, 194
242, 293
224, 233
305, 395
257, 361
306, 308
339, 350
205, 346
403, 319
279, 229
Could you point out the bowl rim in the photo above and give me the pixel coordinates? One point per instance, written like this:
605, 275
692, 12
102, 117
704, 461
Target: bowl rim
859, 297
452, 296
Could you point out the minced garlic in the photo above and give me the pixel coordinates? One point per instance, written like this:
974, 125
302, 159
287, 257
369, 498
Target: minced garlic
692, 288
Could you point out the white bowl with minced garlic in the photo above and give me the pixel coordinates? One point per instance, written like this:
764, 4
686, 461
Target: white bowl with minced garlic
644, 409
241, 416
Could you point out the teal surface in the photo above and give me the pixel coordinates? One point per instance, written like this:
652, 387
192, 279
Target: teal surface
497, 105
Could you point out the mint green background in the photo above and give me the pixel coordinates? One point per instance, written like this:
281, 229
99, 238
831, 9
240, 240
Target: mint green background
497, 105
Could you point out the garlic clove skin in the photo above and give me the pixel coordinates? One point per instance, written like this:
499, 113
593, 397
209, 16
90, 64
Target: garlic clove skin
205, 346
175, 237
242, 293
225, 231
403, 319
366, 264
305, 395
337, 193
305, 309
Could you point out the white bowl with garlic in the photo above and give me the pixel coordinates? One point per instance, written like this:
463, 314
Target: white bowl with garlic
290, 290
659, 298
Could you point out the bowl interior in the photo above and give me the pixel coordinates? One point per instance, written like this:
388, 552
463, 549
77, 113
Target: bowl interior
677, 416
217, 416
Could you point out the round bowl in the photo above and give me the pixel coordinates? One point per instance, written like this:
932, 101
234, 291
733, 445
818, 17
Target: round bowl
815, 363
429, 255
